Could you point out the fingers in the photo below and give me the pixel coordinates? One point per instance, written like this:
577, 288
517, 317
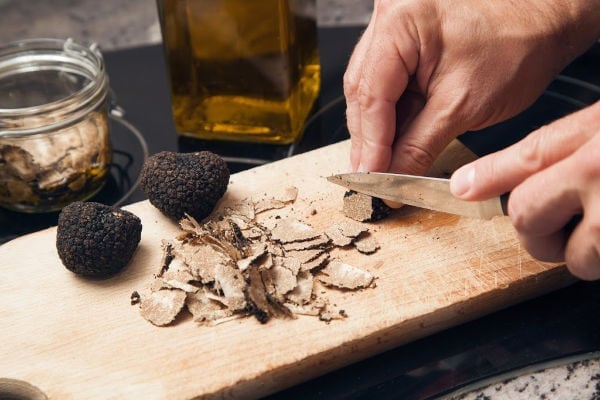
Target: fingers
544, 204
351, 79
427, 128
500, 172
377, 75
542, 207
553, 176
582, 253
384, 78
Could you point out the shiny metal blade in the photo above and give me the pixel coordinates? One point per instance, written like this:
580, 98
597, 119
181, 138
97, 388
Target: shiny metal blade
418, 191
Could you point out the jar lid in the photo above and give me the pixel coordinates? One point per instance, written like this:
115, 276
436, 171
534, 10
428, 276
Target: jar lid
48, 83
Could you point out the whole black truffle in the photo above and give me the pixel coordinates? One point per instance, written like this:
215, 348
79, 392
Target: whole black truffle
180, 183
96, 240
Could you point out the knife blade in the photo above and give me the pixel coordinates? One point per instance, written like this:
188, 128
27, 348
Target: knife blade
419, 191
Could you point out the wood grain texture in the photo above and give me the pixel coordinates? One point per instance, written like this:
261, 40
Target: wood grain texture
81, 339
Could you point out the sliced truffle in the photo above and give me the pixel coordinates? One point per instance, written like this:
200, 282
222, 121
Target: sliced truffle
231, 283
345, 276
319, 242
364, 208
96, 240
206, 310
315, 263
366, 244
234, 264
344, 233
305, 256
260, 302
302, 293
162, 306
280, 200
291, 230
184, 183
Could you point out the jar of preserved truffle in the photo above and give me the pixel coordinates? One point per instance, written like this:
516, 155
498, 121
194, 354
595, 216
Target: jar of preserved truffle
55, 145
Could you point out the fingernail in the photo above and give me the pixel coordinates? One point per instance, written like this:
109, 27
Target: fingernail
462, 180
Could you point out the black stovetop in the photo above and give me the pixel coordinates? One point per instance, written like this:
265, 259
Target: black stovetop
559, 324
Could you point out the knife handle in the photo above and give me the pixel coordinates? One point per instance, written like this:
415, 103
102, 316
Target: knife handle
569, 227
504, 202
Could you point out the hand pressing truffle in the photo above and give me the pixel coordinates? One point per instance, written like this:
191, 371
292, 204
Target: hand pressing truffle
184, 183
96, 240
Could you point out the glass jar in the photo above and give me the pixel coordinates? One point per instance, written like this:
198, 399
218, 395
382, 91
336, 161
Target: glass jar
240, 70
55, 144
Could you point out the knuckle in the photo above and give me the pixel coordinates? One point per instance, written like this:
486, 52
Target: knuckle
583, 250
593, 230
417, 157
518, 218
532, 151
365, 97
588, 165
585, 266
350, 84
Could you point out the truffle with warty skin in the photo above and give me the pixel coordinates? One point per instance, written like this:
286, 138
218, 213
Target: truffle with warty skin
184, 183
96, 240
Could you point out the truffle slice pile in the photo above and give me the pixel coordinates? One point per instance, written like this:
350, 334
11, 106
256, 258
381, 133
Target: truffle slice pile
232, 266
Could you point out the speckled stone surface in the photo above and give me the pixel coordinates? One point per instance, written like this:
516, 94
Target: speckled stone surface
566, 380
115, 24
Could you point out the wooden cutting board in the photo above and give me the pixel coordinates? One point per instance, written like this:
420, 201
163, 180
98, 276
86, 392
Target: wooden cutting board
80, 339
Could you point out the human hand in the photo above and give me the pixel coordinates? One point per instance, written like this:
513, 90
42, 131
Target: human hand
553, 174
426, 71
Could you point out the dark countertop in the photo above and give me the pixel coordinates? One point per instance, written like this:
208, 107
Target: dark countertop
549, 328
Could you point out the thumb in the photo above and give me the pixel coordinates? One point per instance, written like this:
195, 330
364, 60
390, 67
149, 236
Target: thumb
502, 171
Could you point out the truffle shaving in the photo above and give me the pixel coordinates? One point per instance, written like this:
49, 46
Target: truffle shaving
366, 244
315, 263
230, 283
162, 306
206, 310
344, 233
291, 230
345, 276
320, 241
279, 281
303, 291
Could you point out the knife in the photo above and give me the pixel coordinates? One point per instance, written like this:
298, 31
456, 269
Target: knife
420, 191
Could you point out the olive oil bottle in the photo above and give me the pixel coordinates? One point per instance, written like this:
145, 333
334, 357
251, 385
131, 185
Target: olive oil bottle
241, 70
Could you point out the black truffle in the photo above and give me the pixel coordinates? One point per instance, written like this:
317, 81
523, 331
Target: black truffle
96, 240
185, 183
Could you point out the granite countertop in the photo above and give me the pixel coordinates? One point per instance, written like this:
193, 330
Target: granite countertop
116, 24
